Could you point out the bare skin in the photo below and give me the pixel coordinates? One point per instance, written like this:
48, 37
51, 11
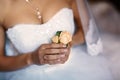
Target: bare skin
17, 12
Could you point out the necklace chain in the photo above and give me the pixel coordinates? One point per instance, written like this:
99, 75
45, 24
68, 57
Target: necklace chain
36, 9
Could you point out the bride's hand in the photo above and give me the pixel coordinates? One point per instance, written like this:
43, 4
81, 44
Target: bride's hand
51, 54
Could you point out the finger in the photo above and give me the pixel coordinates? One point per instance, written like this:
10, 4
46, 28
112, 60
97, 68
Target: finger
54, 51
51, 62
54, 57
53, 45
51, 57
47, 55
57, 61
63, 60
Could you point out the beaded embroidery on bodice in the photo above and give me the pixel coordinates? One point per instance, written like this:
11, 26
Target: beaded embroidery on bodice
28, 37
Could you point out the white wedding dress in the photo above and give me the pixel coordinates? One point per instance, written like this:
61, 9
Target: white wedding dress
25, 38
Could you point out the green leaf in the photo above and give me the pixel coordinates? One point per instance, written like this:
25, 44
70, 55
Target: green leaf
58, 33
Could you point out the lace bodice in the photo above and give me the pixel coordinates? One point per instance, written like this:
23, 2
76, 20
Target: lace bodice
28, 37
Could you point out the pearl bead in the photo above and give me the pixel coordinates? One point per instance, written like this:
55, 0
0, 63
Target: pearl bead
27, 0
36, 9
39, 17
38, 13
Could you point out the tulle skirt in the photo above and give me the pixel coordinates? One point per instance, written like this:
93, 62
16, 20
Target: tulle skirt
80, 66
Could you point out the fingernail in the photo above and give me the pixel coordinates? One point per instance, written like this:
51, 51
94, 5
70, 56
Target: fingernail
65, 50
58, 60
64, 46
62, 56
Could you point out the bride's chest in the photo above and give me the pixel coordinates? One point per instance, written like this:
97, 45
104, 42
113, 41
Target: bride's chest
22, 12
28, 37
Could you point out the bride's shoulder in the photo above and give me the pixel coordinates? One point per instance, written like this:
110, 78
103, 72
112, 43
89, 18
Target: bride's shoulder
4, 5
71, 2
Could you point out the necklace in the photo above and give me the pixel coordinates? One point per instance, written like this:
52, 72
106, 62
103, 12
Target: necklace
36, 9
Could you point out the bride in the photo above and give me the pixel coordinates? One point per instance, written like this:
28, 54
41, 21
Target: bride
26, 50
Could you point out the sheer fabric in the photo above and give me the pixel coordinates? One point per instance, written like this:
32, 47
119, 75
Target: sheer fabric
92, 36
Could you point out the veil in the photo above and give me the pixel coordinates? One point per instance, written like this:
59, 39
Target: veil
91, 32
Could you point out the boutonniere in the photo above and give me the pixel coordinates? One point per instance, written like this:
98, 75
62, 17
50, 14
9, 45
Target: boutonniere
62, 37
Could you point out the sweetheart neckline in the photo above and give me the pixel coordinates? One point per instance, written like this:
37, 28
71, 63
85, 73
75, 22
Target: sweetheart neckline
40, 24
